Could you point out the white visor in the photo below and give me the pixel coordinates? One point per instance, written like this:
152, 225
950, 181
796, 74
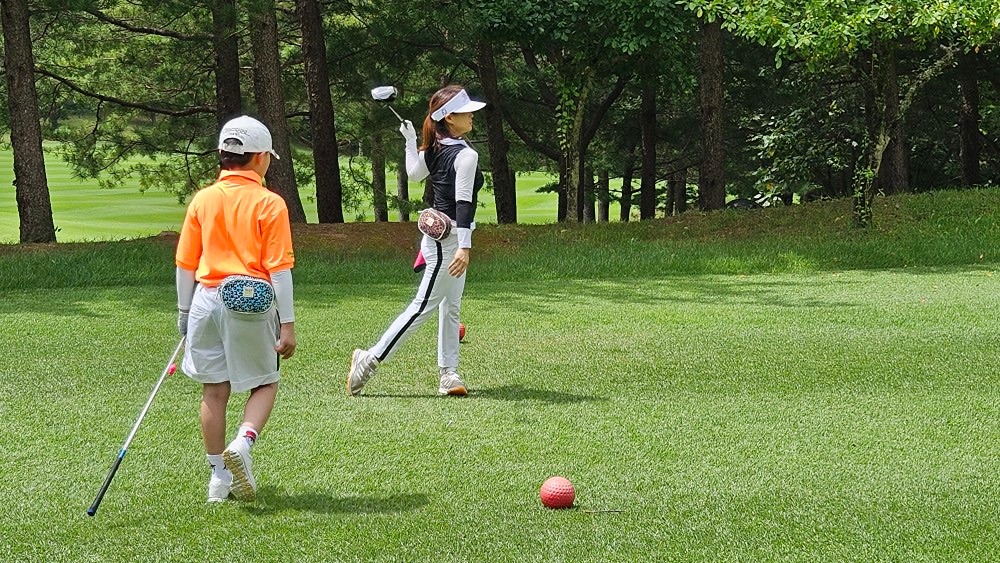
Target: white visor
245, 134
459, 103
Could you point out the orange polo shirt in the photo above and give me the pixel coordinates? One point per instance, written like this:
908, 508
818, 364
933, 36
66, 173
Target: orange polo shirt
235, 226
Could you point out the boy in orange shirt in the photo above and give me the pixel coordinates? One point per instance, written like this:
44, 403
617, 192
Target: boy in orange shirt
234, 300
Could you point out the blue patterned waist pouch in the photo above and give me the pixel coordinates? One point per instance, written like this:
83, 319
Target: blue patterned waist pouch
247, 295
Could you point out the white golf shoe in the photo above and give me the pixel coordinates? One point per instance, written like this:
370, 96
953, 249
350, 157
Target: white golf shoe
451, 383
218, 487
239, 462
363, 365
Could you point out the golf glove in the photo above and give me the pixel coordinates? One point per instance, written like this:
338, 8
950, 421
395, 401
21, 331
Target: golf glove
182, 321
409, 133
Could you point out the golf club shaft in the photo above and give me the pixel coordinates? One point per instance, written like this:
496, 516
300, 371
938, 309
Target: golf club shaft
121, 453
401, 120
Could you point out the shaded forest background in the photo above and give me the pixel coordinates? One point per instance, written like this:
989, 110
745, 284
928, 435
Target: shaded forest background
686, 104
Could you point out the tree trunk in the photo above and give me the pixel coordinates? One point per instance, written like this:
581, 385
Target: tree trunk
968, 121
866, 66
563, 187
603, 196
625, 210
329, 190
575, 160
587, 196
874, 80
34, 208
669, 205
402, 190
647, 178
865, 179
894, 174
228, 99
864, 184
678, 192
271, 106
711, 173
504, 192
588, 199
845, 179
378, 179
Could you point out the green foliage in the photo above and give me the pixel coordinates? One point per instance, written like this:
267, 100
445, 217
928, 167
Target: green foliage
809, 130
156, 102
615, 26
822, 30
152, 123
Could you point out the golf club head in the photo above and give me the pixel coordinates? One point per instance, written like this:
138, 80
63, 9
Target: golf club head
384, 93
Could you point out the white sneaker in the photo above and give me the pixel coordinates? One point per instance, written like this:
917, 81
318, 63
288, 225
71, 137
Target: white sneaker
363, 365
451, 383
239, 462
218, 487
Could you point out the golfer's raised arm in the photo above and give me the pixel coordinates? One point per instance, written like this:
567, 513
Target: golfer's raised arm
416, 168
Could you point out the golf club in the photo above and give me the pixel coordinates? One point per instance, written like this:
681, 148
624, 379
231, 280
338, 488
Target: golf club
386, 94
169, 369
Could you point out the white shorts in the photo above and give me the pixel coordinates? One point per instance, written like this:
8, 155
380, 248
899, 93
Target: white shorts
226, 346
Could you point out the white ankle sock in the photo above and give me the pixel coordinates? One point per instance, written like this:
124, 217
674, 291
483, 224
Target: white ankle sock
218, 466
247, 432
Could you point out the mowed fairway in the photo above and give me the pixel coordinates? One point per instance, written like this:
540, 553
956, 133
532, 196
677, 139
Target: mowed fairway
707, 404
83, 211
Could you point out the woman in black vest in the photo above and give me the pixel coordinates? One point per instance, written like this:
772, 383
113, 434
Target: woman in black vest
453, 167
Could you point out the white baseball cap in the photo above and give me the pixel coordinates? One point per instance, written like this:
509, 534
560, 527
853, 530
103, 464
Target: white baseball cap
459, 103
251, 136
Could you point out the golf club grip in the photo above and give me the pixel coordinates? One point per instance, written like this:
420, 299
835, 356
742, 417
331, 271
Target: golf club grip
107, 482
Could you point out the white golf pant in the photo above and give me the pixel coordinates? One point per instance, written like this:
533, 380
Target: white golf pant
439, 291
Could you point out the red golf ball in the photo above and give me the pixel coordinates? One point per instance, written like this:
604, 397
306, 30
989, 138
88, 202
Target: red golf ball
172, 369
461, 331
557, 492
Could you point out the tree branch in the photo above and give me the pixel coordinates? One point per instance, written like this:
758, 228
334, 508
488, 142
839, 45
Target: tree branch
598, 116
523, 134
446, 48
990, 143
148, 30
124, 103
543, 89
948, 59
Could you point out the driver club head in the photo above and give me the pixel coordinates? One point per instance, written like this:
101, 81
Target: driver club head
386, 94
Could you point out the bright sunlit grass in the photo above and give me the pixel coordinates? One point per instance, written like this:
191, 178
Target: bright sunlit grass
727, 387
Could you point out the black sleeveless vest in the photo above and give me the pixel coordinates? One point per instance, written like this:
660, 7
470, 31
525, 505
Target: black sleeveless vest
440, 161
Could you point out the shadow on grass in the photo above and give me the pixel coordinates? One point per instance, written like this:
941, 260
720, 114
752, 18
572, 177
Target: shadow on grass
521, 393
271, 499
785, 291
503, 393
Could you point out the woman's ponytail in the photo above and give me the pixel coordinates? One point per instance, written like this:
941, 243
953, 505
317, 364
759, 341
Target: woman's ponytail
433, 131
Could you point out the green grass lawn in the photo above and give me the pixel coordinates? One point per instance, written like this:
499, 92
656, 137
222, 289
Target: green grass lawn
730, 387
83, 211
